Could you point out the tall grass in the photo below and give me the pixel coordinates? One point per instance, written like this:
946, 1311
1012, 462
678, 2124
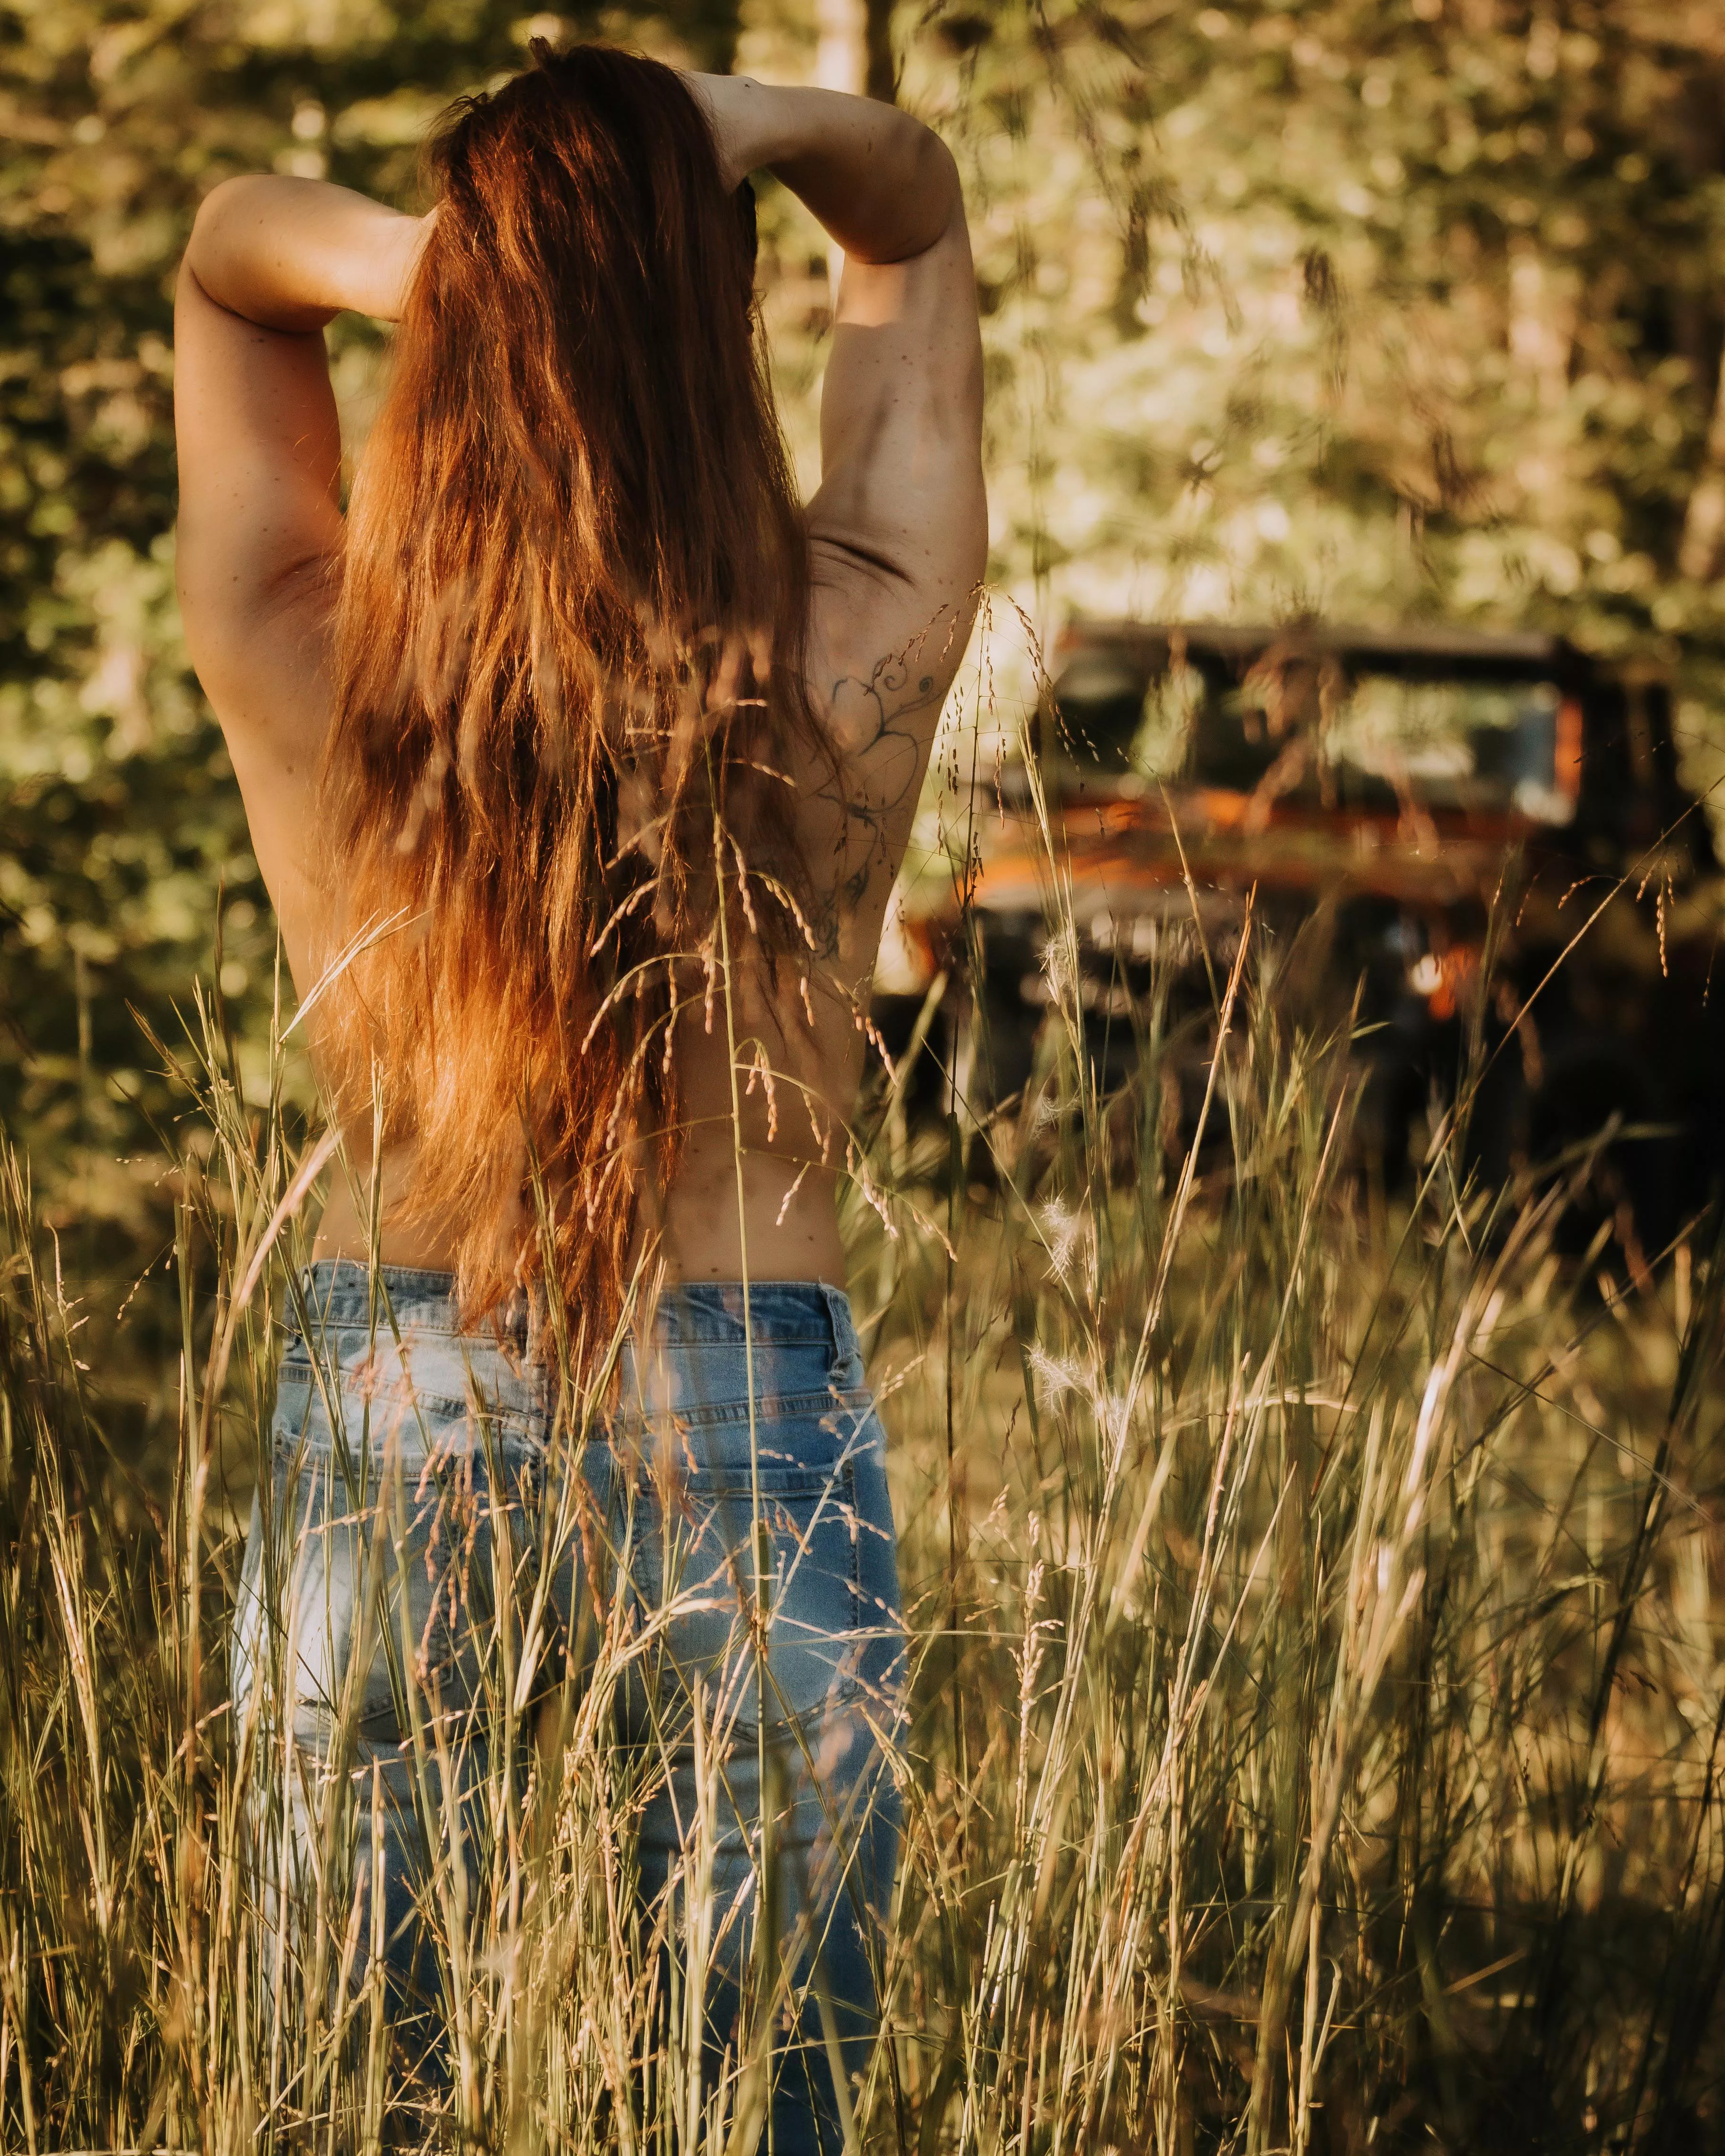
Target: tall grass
1318, 1707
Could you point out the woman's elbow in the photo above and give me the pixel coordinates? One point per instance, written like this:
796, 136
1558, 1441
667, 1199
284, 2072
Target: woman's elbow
937, 179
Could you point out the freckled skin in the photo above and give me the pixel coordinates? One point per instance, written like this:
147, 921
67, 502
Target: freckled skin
897, 536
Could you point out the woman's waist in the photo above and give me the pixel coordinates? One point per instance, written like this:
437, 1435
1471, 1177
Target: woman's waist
721, 1351
771, 1218
771, 1214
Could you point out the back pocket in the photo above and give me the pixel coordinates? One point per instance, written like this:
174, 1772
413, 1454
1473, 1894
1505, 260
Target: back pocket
699, 1563
415, 1558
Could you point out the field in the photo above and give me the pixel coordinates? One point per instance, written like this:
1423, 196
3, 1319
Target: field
1317, 1726
1318, 1705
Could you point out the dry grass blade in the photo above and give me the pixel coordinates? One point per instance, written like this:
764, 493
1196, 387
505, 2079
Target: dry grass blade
1317, 1718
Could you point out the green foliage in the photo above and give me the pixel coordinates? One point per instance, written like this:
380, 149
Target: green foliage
1352, 307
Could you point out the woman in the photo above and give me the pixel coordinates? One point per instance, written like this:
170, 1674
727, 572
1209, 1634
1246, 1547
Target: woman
579, 762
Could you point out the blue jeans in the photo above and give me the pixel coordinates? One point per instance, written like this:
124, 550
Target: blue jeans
434, 1555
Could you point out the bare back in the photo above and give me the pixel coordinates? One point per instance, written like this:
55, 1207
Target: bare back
898, 538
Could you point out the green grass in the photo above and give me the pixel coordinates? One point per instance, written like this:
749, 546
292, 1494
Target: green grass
1318, 1707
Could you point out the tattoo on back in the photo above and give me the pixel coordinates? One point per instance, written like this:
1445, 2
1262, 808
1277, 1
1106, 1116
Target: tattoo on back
883, 725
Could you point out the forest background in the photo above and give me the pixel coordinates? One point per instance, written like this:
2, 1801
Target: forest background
1383, 309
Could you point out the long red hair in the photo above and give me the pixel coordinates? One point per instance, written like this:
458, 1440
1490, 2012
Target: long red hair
568, 675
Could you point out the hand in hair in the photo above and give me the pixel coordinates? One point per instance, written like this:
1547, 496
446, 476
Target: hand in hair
881, 182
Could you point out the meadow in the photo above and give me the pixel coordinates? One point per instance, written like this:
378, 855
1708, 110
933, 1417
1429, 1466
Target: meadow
1311, 1577
1318, 1703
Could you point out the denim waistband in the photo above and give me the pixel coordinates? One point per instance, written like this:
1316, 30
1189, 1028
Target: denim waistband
342, 1292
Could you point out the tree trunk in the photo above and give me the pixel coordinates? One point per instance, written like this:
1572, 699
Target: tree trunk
881, 80
709, 28
854, 51
1704, 519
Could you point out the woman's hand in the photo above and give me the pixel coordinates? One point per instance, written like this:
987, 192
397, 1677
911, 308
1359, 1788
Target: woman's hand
288, 255
882, 184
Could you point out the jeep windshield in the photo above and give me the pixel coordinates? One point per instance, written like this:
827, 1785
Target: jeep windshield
1472, 747
1484, 730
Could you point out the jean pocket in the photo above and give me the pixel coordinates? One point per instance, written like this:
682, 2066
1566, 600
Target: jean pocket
297, 1401
464, 1523
413, 1566
759, 1608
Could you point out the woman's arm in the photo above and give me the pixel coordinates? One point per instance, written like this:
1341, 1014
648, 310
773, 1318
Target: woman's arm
289, 254
898, 528
271, 260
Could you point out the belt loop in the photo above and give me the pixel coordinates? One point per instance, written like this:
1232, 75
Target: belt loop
841, 1351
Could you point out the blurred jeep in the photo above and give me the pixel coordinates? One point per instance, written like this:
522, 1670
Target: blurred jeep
1392, 803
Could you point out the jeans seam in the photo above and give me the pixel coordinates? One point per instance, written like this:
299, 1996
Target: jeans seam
855, 1547
717, 1413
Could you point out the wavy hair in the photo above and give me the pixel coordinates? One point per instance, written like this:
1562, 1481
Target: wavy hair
567, 674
